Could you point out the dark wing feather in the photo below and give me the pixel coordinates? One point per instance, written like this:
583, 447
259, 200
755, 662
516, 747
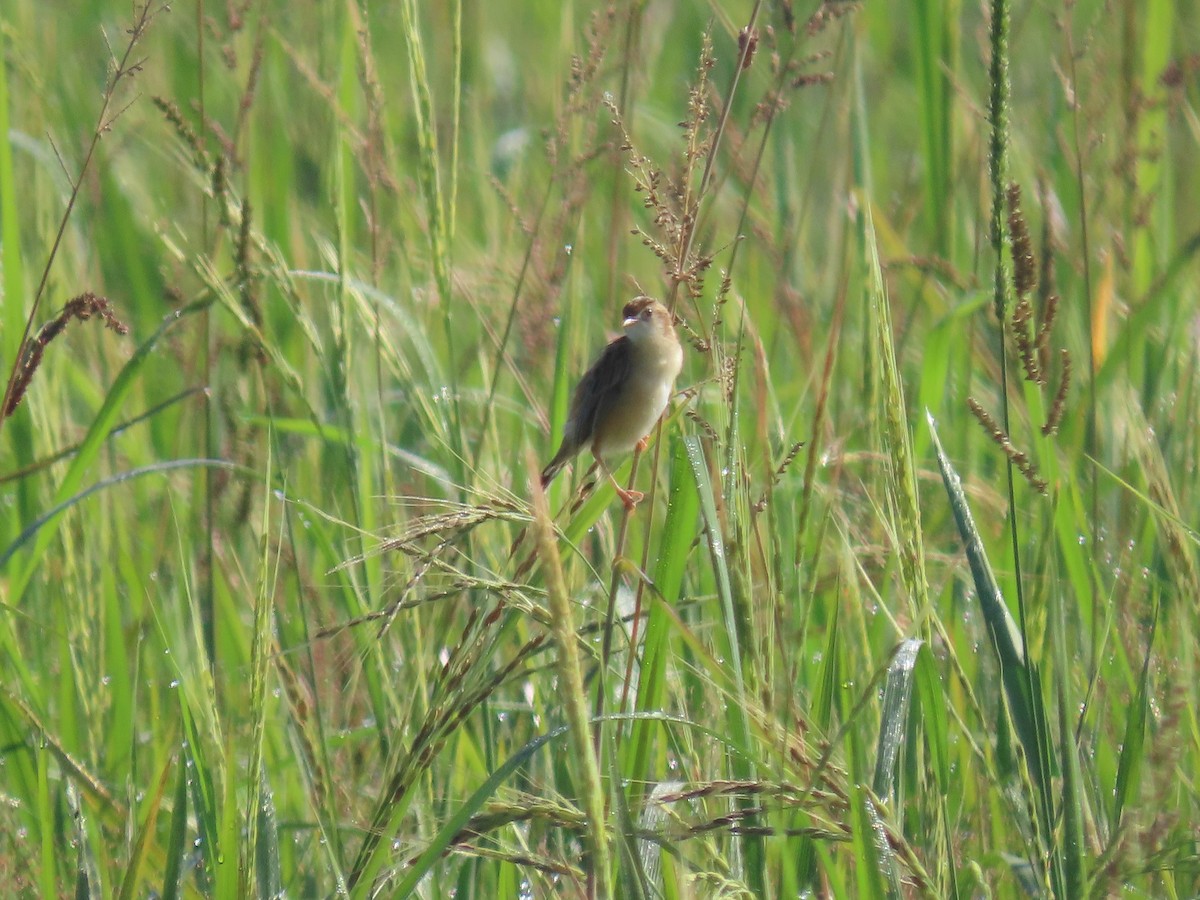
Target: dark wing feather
598, 390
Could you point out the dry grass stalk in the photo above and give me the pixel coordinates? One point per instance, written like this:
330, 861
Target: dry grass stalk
82, 308
1019, 458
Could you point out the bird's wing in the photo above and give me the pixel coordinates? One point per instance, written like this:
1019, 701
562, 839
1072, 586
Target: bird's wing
597, 391
600, 389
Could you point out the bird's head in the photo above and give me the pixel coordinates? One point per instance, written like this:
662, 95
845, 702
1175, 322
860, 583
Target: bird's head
645, 318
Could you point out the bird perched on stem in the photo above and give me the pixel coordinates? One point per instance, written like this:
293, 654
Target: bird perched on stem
624, 392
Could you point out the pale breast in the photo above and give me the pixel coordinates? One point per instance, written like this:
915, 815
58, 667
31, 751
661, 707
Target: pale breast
643, 400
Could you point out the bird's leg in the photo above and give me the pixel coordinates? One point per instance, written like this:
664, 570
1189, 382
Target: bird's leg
629, 498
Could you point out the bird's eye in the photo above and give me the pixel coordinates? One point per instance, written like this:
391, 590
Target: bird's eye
647, 314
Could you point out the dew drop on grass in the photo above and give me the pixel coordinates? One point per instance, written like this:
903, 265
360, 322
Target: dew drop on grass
568, 248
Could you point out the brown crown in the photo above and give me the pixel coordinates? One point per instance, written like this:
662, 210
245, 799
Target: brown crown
635, 306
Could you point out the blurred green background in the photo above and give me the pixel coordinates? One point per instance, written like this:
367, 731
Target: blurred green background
268, 622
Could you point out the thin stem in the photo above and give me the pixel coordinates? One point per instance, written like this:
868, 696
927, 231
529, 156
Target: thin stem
125, 68
587, 767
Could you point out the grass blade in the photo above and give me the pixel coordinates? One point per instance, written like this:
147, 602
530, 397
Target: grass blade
897, 693
1020, 677
98, 431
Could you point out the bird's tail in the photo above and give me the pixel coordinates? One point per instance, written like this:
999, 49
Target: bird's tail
561, 458
549, 473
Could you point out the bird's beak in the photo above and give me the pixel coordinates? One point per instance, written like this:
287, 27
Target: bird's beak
632, 320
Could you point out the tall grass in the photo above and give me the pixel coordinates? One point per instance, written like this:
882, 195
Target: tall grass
909, 609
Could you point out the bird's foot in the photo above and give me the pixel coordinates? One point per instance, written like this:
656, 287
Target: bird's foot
630, 498
643, 444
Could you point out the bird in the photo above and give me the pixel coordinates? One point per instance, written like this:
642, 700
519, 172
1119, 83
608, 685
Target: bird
623, 394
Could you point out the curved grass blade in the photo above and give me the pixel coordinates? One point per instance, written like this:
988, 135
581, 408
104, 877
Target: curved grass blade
101, 425
420, 868
1028, 711
897, 693
1020, 677
170, 465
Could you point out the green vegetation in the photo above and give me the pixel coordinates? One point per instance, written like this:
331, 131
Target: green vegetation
911, 606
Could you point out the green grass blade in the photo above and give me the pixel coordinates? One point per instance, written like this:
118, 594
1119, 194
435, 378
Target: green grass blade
729, 644
897, 692
933, 715
904, 508
176, 849
268, 869
456, 822
683, 504
98, 431
1006, 638
200, 779
1018, 674
1133, 747
828, 682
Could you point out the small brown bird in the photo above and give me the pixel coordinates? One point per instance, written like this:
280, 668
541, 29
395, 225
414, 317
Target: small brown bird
624, 392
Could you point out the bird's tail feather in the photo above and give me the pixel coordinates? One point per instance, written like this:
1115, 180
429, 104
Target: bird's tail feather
561, 458
549, 473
